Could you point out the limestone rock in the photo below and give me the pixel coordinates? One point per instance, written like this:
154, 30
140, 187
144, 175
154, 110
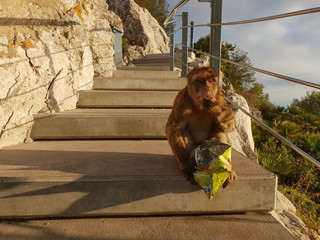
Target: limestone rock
241, 137
114, 20
140, 27
285, 213
48, 51
227, 87
132, 52
203, 60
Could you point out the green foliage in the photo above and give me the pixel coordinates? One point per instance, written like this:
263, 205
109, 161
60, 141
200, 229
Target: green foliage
157, 8
309, 120
257, 98
300, 128
125, 43
203, 44
241, 78
275, 158
310, 103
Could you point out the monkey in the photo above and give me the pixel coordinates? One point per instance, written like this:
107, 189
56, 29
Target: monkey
199, 113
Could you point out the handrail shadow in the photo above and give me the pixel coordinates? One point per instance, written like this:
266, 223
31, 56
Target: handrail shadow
35, 22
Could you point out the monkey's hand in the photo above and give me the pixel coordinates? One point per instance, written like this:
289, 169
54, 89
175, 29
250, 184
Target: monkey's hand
209, 104
230, 179
213, 106
223, 114
225, 120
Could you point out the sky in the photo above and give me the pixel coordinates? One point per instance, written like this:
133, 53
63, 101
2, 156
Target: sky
289, 46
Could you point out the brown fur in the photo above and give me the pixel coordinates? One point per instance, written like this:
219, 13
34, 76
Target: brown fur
199, 113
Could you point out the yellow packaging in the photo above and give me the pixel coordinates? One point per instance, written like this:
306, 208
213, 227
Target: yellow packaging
213, 166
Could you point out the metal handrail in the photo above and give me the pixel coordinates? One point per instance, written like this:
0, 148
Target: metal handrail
179, 5
291, 79
173, 21
289, 14
277, 135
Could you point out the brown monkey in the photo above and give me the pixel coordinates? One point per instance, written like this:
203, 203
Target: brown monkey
199, 113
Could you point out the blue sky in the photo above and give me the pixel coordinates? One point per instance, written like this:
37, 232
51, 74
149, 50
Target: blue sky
288, 46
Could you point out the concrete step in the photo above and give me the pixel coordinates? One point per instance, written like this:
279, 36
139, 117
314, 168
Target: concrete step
144, 68
126, 99
151, 60
133, 74
177, 64
139, 84
157, 56
146, 64
94, 178
247, 226
101, 124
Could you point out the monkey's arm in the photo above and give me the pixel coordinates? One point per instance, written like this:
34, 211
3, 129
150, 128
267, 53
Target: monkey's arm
225, 119
223, 115
180, 150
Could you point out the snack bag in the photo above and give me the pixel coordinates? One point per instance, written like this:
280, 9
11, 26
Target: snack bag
213, 166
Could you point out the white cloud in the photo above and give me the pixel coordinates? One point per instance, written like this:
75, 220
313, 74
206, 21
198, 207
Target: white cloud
283, 93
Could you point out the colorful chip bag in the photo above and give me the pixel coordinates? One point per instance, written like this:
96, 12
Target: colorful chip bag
213, 161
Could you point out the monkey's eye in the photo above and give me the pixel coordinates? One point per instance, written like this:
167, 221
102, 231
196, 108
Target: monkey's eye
200, 81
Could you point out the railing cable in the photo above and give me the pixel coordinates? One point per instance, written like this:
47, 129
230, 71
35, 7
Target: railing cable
285, 15
277, 135
291, 79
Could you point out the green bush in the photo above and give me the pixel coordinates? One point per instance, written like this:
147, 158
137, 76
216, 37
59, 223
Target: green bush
275, 158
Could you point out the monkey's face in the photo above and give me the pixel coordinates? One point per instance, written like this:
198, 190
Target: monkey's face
202, 86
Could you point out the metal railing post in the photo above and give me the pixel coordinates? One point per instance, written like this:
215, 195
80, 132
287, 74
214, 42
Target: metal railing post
191, 35
215, 36
117, 47
184, 54
171, 48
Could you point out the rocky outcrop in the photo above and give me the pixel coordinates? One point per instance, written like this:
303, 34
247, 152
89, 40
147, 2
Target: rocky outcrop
203, 60
48, 51
140, 27
132, 52
241, 137
286, 214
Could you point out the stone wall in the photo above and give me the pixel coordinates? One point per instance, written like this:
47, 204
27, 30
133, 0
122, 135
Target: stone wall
48, 51
140, 27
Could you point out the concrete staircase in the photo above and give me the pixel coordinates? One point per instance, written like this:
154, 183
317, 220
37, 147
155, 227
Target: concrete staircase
162, 60
110, 157
132, 104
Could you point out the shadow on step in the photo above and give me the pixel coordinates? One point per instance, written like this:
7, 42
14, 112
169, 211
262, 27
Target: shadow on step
79, 182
